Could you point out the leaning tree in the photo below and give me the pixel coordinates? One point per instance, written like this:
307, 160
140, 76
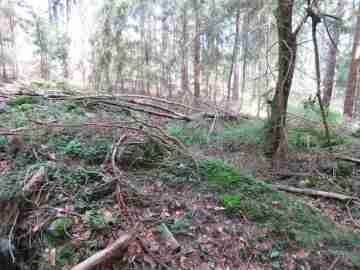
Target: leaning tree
287, 36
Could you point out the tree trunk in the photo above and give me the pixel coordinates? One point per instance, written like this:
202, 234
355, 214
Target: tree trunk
235, 52
245, 47
184, 52
277, 137
196, 52
164, 47
329, 76
236, 85
353, 71
2, 53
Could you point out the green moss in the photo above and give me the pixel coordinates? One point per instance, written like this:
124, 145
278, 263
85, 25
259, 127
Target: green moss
280, 213
220, 174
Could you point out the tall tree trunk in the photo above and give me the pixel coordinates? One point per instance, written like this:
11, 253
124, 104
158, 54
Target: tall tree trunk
144, 49
329, 76
235, 52
353, 71
236, 85
184, 51
245, 48
2, 53
196, 51
164, 47
277, 136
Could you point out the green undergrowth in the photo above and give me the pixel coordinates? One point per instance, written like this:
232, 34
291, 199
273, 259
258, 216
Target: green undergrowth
89, 148
301, 138
313, 113
188, 135
12, 179
280, 213
231, 134
253, 132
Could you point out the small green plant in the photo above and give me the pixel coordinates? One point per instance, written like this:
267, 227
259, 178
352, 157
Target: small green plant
221, 174
92, 151
95, 220
57, 229
74, 148
21, 100
64, 254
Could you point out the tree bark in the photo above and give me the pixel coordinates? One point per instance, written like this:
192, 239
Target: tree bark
353, 71
164, 45
236, 85
329, 76
235, 53
184, 51
197, 47
277, 137
2, 53
245, 48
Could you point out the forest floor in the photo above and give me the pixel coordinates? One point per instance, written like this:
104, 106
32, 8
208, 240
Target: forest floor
75, 176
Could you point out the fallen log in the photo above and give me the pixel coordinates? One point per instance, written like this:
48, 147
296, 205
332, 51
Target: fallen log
106, 254
318, 193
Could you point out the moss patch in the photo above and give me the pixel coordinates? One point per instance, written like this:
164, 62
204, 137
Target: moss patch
278, 212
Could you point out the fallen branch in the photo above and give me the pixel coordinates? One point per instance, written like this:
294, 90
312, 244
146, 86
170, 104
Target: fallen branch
143, 110
292, 174
318, 193
107, 253
350, 159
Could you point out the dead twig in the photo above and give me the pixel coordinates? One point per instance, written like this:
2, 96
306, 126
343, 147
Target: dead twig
10, 239
108, 253
317, 193
350, 159
332, 266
